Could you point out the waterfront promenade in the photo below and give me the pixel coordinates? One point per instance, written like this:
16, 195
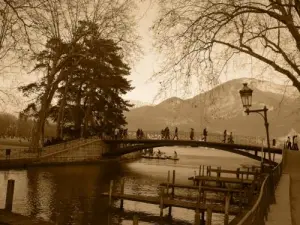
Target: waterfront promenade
293, 169
287, 208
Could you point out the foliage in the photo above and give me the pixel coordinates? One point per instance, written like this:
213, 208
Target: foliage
201, 37
88, 89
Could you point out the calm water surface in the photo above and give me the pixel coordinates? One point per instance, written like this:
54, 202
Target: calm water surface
72, 195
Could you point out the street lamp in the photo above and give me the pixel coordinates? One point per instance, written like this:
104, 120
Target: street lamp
246, 97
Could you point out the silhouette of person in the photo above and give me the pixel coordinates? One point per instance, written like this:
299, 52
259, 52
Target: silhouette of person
176, 134
192, 134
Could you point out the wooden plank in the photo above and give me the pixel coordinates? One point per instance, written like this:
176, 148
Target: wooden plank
222, 179
234, 171
205, 188
10, 218
174, 203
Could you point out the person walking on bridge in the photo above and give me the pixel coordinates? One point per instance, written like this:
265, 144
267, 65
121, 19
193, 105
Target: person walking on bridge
288, 143
192, 134
176, 134
295, 146
225, 136
167, 133
204, 134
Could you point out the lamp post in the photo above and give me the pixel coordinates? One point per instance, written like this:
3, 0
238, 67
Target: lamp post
246, 96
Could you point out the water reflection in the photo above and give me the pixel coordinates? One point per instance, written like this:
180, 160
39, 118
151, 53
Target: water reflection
72, 194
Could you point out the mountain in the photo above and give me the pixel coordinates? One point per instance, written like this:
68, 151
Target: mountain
221, 108
137, 104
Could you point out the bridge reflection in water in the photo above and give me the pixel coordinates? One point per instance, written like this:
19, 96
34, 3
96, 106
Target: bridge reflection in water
72, 194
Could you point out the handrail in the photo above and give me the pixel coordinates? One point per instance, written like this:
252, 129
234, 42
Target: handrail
257, 214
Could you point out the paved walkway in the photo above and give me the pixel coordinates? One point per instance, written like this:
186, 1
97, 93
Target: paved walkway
287, 196
293, 168
280, 213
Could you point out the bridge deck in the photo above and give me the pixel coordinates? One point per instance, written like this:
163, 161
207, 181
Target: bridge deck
194, 143
174, 203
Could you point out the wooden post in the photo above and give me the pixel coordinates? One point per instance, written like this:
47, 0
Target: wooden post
122, 193
219, 172
209, 170
173, 182
135, 220
110, 191
273, 157
240, 200
168, 182
219, 175
9, 194
197, 217
200, 192
227, 203
248, 173
202, 218
203, 170
161, 205
238, 173
170, 207
208, 215
200, 170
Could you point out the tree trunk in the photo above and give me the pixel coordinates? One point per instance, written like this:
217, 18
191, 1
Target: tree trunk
78, 119
87, 116
59, 130
43, 113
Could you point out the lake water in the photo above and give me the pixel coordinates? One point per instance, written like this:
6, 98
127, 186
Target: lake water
71, 195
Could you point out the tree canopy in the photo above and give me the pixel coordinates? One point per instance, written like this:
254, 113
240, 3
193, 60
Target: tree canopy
88, 91
201, 37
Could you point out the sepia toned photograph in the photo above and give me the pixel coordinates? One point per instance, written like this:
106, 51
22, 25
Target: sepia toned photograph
149, 112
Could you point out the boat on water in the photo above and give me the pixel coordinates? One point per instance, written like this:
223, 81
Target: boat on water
162, 158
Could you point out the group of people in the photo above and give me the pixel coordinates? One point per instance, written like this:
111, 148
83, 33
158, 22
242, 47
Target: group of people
53, 141
140, 134
229, 139
165, 134
292, 145
120, 133
158, 154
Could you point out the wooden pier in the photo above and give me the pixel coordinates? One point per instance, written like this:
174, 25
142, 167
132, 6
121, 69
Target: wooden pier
201, 204
166, 202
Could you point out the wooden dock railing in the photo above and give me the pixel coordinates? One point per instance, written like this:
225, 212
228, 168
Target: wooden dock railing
258, 214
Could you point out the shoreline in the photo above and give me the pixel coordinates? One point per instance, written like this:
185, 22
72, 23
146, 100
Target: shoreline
23, 164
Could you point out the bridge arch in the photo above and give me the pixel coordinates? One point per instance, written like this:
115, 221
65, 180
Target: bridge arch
121, 147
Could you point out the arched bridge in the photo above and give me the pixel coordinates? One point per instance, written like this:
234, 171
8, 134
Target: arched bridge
246, 146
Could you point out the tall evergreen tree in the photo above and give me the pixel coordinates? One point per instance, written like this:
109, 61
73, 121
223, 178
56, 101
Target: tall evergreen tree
89, 95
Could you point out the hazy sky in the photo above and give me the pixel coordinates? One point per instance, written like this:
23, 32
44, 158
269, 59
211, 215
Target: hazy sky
146, 90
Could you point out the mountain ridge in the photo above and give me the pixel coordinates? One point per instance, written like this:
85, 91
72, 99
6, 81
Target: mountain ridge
220, 108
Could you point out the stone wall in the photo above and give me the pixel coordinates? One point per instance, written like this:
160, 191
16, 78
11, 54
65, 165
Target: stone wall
88, 151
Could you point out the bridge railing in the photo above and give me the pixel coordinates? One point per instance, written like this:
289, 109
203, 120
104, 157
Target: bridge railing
258, 213
66, 145
211, 137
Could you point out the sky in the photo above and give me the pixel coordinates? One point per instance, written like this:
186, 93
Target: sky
146, 90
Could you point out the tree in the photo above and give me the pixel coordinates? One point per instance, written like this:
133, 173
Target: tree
51, 24
90, 96
201, 37
87, 85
